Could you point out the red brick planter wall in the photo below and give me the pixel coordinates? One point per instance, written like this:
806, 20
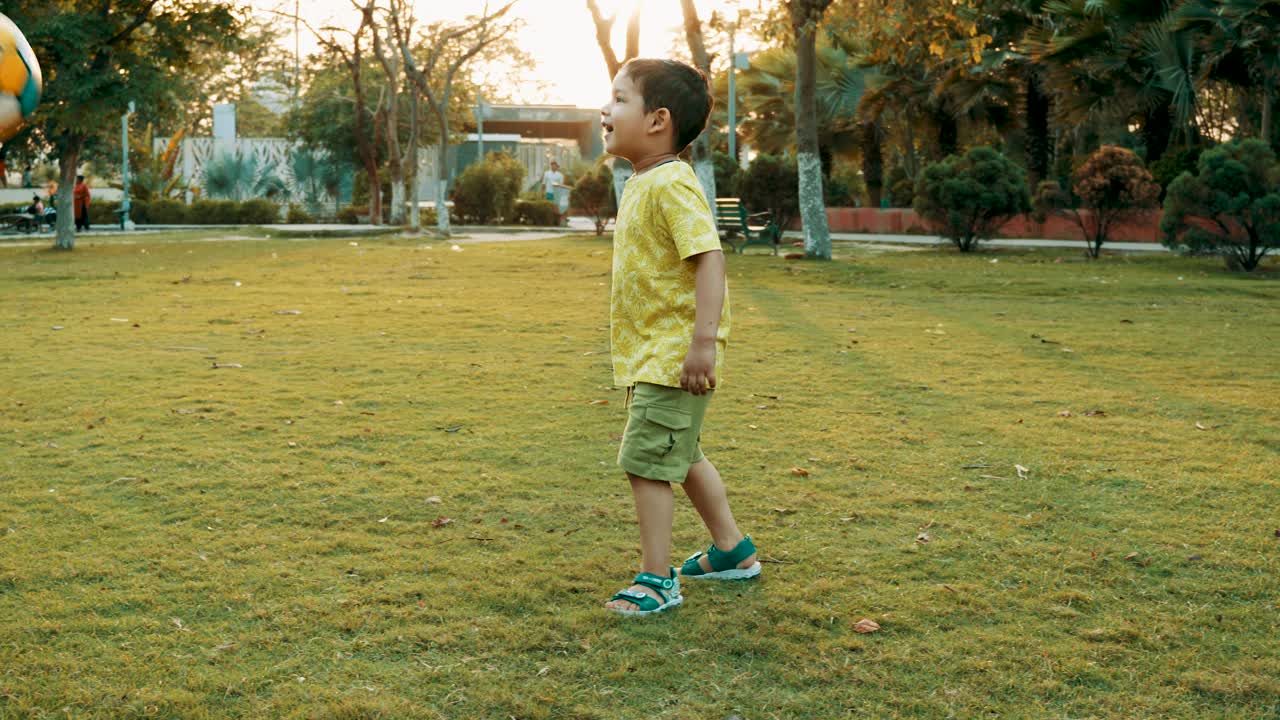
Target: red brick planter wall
899, 221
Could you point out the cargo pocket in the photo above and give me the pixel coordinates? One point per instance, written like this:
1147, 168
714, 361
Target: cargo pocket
668, 425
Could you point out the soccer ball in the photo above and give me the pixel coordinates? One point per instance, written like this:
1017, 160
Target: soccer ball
19, 79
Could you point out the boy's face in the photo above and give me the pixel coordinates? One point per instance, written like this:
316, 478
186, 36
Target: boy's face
630, 132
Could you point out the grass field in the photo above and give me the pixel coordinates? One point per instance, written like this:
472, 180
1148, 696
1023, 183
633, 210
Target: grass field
396, 498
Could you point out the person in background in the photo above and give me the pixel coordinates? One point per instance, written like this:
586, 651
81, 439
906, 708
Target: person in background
80, 199
26, 176
556, 191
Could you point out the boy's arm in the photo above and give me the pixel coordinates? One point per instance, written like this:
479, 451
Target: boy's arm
699, 372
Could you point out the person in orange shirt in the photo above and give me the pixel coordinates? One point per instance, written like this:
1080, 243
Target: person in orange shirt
80, 198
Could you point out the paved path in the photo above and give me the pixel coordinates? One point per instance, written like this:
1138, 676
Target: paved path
1008, 242
577, 226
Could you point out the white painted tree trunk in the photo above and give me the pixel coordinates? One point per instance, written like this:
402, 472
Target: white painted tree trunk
442, 185
813, 211
397, 200
706, 172
621, 171
415, 213
65, 236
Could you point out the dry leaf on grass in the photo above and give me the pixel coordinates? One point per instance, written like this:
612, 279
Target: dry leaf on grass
441, 522
434, 499
799, 472
923, 538
599, 402
227, 365
866, 625
1065, 413
1022, 471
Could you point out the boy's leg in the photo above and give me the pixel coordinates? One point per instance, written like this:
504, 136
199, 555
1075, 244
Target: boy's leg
705, 488
655, 509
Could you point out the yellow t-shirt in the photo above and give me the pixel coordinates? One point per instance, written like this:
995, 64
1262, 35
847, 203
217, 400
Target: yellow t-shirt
663, 221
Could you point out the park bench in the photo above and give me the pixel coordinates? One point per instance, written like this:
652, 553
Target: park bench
753, 229
26, 222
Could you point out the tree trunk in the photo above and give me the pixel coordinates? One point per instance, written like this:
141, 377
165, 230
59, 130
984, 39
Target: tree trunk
415, 214
948, 133
1156, 131
813, 212
68, 160
702, 164
1268, 98
872, 163
1037, 130
442, 178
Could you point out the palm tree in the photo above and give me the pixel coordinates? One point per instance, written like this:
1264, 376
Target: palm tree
1120, 61
238, 176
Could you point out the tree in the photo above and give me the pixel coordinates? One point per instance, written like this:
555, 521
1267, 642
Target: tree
449, 47
354, 61
1231, 206
771, 184
97, 58
971, 196
402, 156
805, 16
702, 164
593, 193
1111, 187
604, 29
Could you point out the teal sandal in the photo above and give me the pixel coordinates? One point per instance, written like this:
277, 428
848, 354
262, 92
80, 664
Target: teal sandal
724, 565
666, 587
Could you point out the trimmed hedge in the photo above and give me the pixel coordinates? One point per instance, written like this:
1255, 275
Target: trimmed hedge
537, 212
175, 212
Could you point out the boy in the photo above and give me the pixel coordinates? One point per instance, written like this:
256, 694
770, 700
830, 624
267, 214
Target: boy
669, 321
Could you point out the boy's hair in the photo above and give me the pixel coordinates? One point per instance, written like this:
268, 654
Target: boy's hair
681, 89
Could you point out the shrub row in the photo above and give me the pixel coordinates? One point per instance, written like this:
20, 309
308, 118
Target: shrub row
200, 212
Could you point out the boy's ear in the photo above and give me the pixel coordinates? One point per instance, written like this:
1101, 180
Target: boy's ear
659, 120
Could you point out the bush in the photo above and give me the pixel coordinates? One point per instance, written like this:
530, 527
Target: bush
726, 174
351, 214
536, 212
846, 187
1172, 164
902, 188
486, 191
297, 215
214, 212
972, 196
1112, 185
593, 194
167, 211
771, 184
258, 212
1231, 206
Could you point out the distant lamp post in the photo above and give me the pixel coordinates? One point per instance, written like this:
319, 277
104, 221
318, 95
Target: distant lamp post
125, 223
737, 61
481, 109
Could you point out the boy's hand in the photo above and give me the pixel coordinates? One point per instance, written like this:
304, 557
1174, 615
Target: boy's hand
699, 372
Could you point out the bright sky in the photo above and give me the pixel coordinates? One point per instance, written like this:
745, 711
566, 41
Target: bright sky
559, 35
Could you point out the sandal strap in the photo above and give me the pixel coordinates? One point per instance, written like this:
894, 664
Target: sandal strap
721, 560
665, 586
642, 600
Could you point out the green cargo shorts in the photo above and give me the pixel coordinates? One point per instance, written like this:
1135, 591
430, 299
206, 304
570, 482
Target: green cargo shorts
664, 427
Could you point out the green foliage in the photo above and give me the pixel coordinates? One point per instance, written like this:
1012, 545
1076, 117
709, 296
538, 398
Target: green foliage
845, 187
971, 196
486, 191
167, 211
1230, 206
314, 175
1112, 184
594, 195
902, 189
536, 212
1173, 163
771, 184
215, 212
351, 214
258, 212
240, 176
726, 169
297, 215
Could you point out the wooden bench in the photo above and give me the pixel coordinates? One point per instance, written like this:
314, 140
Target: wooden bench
753, 229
